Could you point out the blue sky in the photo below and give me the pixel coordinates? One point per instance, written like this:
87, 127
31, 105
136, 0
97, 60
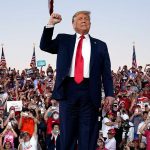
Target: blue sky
118, 23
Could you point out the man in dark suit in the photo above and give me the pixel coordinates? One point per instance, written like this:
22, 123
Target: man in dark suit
54, 138
83, 65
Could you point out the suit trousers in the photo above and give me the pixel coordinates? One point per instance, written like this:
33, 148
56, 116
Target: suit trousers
78, 117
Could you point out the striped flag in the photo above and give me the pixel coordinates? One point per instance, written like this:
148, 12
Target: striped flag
134, 63
33, 60
51, 6
2, 61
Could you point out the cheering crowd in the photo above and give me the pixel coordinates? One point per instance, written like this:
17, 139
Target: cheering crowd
35, 122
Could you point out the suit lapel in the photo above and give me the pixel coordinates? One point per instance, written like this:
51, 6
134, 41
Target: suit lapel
93, 52
71, 47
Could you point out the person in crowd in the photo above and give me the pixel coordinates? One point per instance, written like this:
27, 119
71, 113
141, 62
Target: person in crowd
1, 119
119, 132
128, 130
7, 145
27, 121
11, 117
30, 141
51, 116
9, 134
133, 83
136, 118
101, 144
75, 86
110, 142
126, 100
142, 146
145, 131
142, 138
3, 94
107, 123
54, 138
132, 73
128, 89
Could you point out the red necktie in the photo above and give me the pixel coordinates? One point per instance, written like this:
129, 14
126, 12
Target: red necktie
79, 62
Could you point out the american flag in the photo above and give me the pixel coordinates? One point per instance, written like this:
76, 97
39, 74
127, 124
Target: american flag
2, 61
134, 63
51, 6
33, 60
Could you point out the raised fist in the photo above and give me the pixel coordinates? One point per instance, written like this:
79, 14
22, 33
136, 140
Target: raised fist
54, 19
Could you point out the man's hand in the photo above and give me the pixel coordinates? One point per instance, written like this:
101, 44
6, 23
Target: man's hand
54, 19
108, 102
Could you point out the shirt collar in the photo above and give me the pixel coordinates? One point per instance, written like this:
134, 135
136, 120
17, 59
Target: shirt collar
86, 36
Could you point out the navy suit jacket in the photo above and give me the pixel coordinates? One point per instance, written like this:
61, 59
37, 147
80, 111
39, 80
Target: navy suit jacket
100, 67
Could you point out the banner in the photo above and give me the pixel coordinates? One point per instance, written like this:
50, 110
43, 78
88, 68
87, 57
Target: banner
16, 104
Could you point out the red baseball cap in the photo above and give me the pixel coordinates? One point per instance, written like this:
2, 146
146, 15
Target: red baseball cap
110, 113
112, 131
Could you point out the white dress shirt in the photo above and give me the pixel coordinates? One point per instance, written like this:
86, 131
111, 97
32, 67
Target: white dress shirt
86, 53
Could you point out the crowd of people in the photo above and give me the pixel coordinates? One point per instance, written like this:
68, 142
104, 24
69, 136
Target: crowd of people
35, 122
126, 124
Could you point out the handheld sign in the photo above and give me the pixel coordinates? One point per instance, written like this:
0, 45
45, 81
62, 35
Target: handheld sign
16, 104
41, 63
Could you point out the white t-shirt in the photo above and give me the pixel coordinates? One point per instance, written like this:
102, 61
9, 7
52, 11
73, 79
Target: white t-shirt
105, 128
31, 145
110, 144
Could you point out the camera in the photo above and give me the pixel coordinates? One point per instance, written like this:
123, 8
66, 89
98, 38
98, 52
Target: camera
126, 126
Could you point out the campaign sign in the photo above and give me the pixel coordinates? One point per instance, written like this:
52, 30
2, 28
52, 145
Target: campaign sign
29, 71
16, 104
41, 63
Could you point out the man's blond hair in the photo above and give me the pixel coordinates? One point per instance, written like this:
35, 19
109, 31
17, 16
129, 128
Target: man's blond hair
81, 12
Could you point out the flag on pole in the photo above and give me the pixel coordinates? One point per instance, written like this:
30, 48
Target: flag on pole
3, 60
134, 63
51, 6
33, 60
